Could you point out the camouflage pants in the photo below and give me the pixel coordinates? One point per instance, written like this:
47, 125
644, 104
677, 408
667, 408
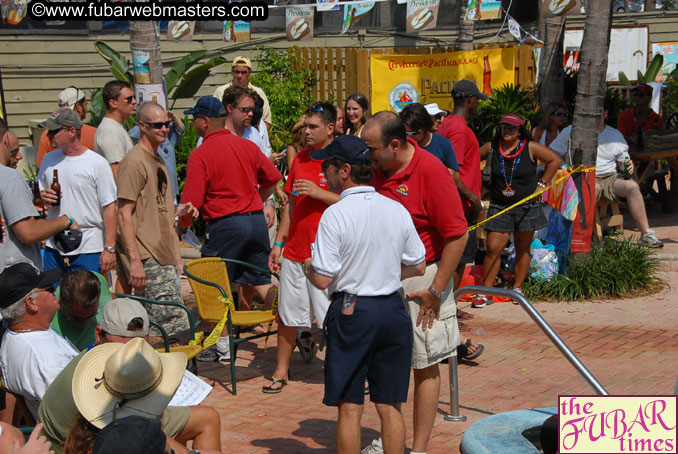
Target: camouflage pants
163, 284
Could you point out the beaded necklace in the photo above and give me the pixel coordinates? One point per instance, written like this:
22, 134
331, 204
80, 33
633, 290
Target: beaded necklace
509, 191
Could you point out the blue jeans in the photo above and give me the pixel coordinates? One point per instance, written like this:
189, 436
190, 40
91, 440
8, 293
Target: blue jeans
53, 259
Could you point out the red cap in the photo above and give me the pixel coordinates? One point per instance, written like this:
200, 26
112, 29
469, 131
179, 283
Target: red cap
642, 88
512, 120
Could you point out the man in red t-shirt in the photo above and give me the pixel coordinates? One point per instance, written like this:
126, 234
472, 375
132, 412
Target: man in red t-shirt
227, 179
418, 180
298, 299
465, 95
639, 118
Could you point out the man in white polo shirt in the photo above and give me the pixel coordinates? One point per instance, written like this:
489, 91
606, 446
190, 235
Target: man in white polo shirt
365, 245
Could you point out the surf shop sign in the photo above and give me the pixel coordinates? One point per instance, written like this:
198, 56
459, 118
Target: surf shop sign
399, 80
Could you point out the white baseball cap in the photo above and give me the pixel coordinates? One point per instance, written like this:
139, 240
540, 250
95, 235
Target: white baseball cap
433, 109
70, 96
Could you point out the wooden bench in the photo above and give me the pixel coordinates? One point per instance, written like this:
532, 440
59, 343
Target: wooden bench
607, 215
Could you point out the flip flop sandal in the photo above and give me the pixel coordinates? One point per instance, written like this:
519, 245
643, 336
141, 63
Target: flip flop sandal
270, 388
463, 353
462, 315
464, 328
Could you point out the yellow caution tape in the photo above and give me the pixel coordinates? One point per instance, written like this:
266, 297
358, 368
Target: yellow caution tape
536, 194
214, 336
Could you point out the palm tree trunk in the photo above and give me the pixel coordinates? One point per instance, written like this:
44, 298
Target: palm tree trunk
591, 83
551, 88
465, 37
143, 38
650, 5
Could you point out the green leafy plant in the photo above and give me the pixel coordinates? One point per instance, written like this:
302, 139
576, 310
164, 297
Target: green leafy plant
288, 87
648, 76
616, 268
506, 99
183, 80
670, 101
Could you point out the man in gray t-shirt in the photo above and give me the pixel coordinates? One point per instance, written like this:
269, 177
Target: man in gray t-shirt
111, 140
22, 228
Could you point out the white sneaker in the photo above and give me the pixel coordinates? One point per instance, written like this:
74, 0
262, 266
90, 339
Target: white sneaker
223, 349
650, 240
375, 448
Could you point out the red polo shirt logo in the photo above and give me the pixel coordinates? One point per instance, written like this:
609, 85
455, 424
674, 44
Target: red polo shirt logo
402, 190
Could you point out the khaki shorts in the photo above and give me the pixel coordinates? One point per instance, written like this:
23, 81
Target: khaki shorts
441, 341
174, 420
606, 183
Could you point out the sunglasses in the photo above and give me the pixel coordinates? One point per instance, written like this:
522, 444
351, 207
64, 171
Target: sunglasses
54, 132
560, 114
509, 127
245, 109
413, 133
237, 72
440, 116
128, 99
162, 181
317, 108
158, 124
48, 289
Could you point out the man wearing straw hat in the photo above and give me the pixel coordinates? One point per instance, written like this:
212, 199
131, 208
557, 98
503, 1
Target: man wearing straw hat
123, 321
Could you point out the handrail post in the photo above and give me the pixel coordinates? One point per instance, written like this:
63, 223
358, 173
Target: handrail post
540, 321
454, 415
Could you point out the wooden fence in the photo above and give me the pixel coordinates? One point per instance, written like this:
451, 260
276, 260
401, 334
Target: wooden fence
342, 71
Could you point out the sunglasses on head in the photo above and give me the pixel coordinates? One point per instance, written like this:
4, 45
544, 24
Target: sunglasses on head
317, 108
158, 124
413, 133
245, 109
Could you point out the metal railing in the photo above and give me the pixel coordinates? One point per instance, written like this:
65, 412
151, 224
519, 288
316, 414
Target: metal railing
539, 320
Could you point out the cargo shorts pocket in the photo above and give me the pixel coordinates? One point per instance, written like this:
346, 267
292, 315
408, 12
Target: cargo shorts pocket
442, 338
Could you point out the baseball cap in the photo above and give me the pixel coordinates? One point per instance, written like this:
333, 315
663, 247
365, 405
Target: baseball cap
466, 88
64, 117
347, 148
433, 109
208, 106
18, 280
131, 435
242, 61
118, 313
512, 120
642, 88
69, 97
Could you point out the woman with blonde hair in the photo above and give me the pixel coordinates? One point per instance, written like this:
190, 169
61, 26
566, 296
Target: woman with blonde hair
554, 120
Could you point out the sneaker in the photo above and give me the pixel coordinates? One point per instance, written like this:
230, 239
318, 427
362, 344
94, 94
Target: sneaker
517, 290
307, 347
650, 240
209, 355
375, 448
481, 301
223, 351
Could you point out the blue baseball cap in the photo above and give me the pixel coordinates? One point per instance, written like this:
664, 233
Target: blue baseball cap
208, 106
346, 148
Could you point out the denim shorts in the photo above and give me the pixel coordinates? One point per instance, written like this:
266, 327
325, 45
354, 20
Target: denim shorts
241, 237
527, 217
374, 342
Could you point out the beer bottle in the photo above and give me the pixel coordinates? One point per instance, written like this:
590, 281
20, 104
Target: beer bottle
56, 187
627, 168
487, 76
38, 203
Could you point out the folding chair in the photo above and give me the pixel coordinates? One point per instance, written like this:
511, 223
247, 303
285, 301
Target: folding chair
211, 286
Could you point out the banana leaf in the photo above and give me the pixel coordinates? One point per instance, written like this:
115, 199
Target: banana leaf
180, 67
623, 80
193, 80
655, 66
641, 78
106, 51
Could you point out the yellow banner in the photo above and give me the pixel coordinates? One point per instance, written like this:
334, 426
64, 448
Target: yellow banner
399, 80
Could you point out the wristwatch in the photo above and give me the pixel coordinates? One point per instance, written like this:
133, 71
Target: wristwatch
109, 249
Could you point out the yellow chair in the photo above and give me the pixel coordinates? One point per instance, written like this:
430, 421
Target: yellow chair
191, 350
212, 289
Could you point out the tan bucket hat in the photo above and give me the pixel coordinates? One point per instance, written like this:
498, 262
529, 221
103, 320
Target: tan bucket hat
115, 380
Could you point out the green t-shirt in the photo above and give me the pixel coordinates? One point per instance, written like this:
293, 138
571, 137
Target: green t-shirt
58, 410
82, 336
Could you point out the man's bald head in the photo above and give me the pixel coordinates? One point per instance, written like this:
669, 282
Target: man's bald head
389, 126
149, 110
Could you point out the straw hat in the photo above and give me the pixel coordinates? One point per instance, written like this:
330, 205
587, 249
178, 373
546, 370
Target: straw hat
115, 380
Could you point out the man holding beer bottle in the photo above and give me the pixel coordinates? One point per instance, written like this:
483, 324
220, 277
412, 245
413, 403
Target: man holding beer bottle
23, 229
74, 179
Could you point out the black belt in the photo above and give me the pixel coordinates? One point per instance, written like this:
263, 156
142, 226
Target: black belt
336, 295
249, 213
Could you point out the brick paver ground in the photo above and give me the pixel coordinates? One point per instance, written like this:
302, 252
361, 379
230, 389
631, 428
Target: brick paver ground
629, 345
